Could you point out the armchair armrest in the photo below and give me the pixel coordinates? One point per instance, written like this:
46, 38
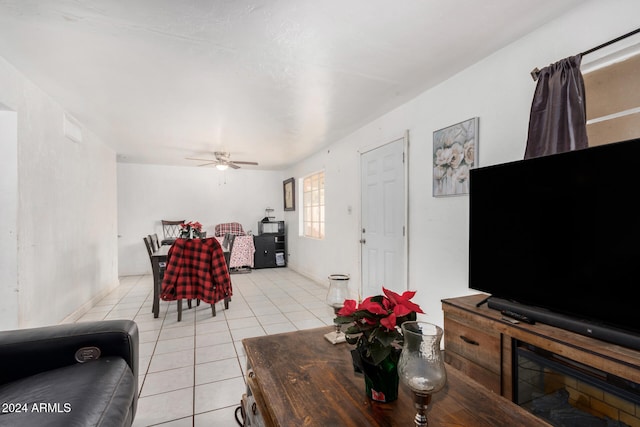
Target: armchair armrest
26, 352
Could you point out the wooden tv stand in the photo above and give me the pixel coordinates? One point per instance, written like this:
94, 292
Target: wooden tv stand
480, 343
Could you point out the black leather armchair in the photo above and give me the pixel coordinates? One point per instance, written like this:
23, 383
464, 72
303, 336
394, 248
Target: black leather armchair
79, 374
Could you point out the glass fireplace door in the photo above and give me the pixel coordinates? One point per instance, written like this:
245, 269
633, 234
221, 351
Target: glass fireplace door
568, 393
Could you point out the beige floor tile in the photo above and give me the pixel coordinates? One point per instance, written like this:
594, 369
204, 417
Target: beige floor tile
191, 373
212, 353
176, 359
218, 395
217, 371
164, 407
170, 380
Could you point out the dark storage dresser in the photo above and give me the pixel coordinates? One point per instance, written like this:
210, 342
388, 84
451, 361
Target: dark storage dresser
270, 245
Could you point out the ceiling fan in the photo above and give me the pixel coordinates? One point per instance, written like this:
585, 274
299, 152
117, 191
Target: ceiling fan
222, 161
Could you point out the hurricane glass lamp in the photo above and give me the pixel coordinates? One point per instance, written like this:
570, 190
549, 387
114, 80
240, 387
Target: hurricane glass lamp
338, 292
421, 366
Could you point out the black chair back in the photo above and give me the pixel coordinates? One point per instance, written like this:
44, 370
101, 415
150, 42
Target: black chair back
155, 242
148, 244
171, 229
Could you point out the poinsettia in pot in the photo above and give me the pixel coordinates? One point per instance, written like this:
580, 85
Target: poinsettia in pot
374, 329
191, 230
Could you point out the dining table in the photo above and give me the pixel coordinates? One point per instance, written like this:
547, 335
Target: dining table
158, 264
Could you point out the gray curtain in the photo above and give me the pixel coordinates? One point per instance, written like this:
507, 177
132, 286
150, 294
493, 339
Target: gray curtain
558, 120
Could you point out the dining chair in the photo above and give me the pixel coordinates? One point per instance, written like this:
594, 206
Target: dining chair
171, 229
148, 245
240, 257
151, 248
162, 265
155, 241
228, 239
225, 228
196, 269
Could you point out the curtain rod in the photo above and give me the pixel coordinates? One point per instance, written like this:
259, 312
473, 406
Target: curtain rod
536, 72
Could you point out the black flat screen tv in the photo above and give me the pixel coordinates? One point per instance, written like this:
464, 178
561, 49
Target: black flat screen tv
558, 238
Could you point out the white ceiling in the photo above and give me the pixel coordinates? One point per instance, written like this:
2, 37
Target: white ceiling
271, 81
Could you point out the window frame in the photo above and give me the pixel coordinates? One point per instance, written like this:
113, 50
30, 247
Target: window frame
312, 214
621, 119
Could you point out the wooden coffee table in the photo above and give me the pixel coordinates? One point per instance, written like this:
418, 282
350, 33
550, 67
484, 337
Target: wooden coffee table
300, 379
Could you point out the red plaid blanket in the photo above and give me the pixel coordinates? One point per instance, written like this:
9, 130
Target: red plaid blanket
229, 228
196, 269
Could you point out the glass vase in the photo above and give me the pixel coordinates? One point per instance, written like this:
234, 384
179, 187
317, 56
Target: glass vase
338, 293
421, 365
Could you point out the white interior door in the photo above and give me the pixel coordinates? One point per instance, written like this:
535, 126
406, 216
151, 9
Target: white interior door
383, 239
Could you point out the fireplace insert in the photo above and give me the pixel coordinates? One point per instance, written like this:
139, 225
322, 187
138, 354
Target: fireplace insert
568, 393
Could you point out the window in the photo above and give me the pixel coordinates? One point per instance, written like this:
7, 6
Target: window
613, 100
313, 205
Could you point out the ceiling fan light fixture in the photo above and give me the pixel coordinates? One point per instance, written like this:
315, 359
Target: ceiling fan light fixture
221, 161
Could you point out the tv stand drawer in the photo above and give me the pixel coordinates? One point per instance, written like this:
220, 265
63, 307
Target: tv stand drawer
473, 348
479, 346
489, 379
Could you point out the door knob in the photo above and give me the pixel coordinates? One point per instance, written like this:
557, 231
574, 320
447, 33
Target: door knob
363, 241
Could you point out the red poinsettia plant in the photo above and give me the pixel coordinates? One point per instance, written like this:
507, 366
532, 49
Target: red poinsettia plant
375, 324
190, 230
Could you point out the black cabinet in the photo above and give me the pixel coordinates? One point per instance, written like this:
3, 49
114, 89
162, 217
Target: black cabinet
271, 248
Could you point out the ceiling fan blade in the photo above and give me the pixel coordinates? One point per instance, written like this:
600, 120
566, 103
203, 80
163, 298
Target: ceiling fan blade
202, 160
221, 160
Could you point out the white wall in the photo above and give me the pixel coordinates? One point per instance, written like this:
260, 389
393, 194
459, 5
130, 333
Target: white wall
499, 91
148, 194
67, 207
9, 301
66, 211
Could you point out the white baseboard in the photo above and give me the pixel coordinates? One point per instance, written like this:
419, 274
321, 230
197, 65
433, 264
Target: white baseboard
308, 275
84, 308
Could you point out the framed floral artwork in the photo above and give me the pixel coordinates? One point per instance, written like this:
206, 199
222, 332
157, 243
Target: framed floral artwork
289, 189
455, 152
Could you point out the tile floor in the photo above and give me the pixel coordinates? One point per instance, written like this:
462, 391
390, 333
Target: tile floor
192, 372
